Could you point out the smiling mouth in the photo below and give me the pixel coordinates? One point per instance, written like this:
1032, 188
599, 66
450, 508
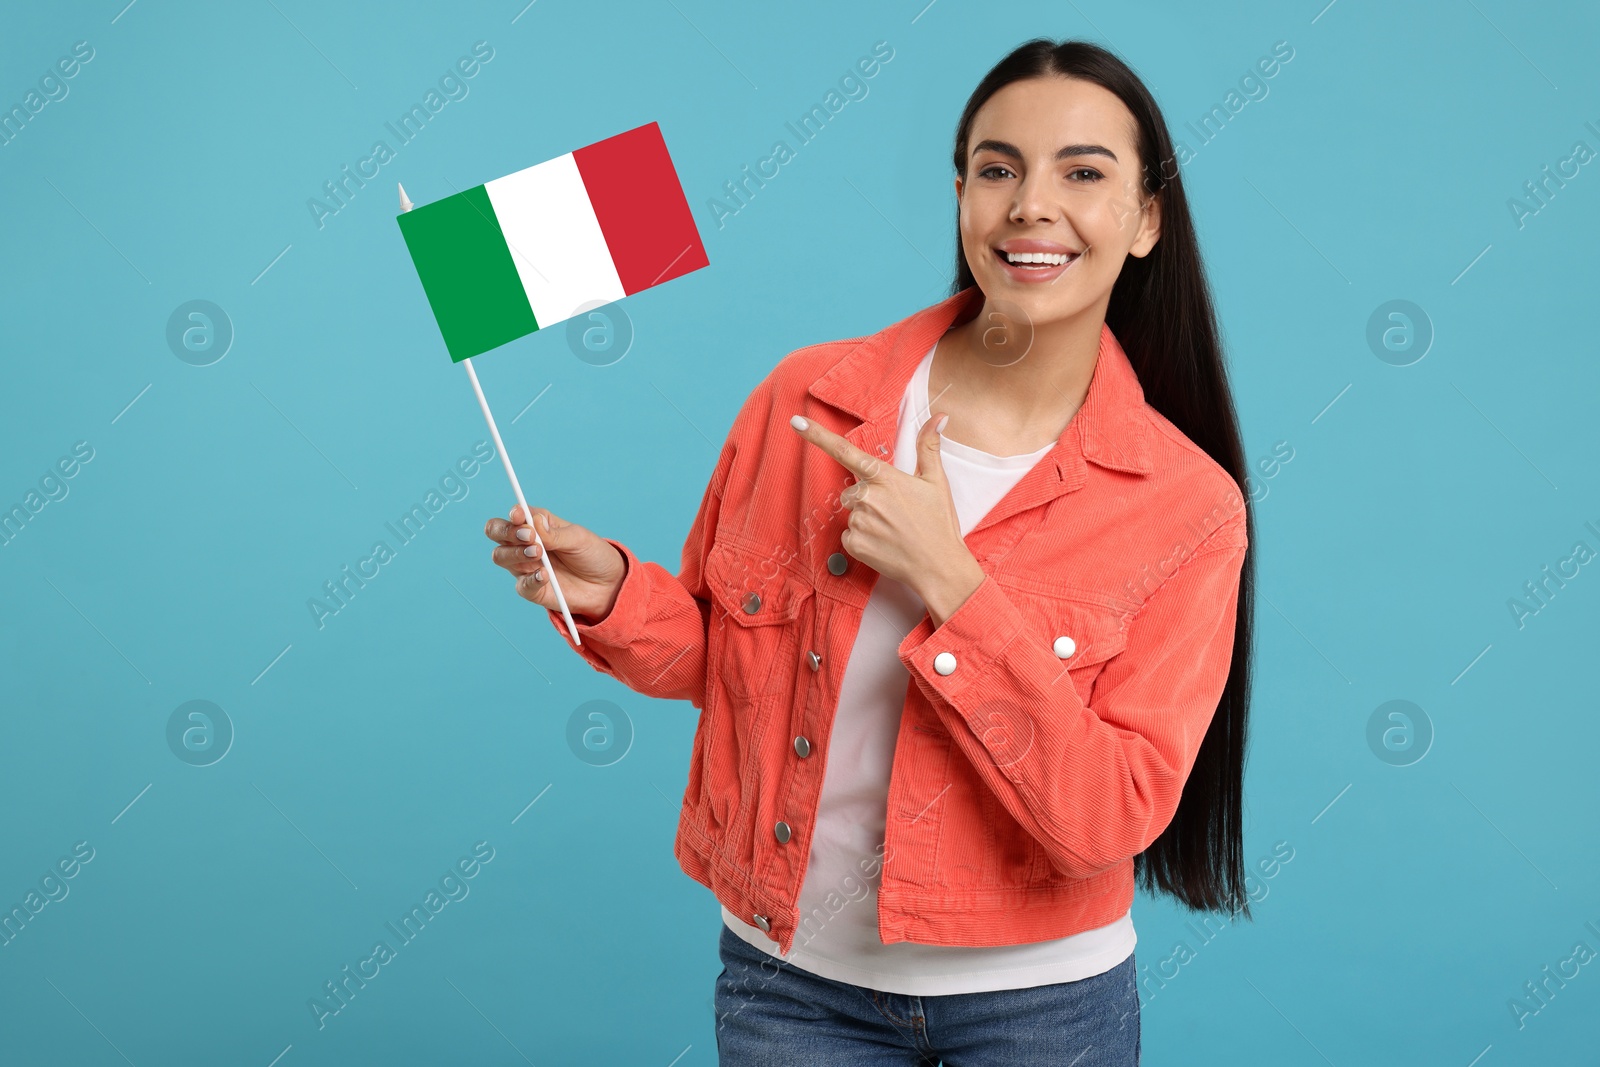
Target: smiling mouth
1036, 260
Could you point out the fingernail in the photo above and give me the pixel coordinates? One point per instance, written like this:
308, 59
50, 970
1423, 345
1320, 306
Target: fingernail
942, 420
538, 575
524, 534
531, 551
799, 422
544, 520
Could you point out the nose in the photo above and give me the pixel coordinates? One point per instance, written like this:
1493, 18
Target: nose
1033, 201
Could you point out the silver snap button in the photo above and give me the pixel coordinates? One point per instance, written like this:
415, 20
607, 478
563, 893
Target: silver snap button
813, 661
762, 924
781, 831
802, 747
752, 603
944, 663
1065, 646
838, 563
883, 450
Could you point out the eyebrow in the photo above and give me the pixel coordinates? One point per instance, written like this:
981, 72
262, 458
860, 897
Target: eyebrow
1006, 148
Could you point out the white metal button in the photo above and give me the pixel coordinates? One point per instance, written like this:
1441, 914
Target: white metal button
838, 563
762, 923
944, 663
1065, 646
752, 603
781, 831
802, 747
813, 661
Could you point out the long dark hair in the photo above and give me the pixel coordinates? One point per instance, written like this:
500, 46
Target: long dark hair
1161, 313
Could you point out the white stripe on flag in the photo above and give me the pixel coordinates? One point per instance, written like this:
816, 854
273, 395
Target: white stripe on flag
555, 239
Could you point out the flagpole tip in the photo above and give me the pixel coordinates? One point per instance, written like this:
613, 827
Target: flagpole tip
405, 201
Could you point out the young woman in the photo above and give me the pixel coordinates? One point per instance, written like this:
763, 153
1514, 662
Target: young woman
966, 610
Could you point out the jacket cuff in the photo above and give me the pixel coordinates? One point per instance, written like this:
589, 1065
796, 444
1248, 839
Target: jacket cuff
627, 615
969, 642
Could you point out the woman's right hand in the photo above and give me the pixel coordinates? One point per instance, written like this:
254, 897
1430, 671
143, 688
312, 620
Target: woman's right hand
589, 568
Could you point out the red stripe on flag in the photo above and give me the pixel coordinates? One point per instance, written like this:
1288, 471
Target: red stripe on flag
641, 208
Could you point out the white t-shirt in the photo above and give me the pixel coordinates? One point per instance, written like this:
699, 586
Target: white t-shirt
844, 944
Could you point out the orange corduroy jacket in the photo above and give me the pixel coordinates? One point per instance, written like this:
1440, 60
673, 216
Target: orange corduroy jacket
1036, 759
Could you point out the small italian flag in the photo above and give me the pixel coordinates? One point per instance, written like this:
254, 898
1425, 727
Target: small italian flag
534, 248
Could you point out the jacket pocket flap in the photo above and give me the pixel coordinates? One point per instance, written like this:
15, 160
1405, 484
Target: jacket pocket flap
1080, 631
752, 589
1097, 633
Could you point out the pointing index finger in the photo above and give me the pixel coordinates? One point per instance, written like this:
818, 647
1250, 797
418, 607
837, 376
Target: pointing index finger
852, 458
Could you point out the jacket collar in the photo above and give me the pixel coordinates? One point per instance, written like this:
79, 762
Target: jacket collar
1110, 428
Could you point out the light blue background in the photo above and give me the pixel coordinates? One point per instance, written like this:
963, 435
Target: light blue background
431, 710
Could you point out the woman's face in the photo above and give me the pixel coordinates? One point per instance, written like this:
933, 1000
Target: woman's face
1052, 174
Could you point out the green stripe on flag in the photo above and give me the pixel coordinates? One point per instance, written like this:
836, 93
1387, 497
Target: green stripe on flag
467, 272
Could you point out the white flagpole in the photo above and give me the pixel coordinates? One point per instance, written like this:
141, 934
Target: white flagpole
500, 446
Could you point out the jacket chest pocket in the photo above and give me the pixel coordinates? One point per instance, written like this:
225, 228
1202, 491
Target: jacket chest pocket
754, 607
1082, 632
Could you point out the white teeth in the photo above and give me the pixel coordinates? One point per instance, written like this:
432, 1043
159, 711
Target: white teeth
1050, 259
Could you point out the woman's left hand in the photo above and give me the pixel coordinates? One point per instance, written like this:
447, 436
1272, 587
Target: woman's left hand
904, 526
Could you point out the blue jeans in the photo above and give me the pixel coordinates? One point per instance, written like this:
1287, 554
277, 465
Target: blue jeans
771, 1013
